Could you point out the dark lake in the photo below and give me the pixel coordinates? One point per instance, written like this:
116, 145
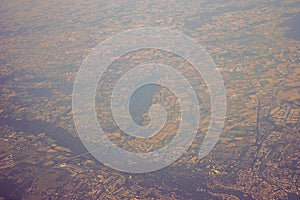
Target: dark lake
294, 27
141, 101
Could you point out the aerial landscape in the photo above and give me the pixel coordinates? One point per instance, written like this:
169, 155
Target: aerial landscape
255, 46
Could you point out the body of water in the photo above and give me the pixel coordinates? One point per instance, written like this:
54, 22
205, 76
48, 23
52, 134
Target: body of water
294, 27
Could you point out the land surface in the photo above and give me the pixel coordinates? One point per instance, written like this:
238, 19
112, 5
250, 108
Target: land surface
255, 48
